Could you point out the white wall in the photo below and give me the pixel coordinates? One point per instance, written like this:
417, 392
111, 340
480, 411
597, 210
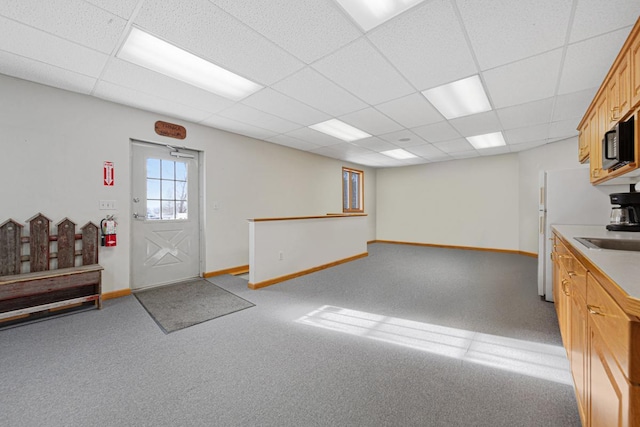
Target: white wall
54, 143
284, 247
472, 202
557, 155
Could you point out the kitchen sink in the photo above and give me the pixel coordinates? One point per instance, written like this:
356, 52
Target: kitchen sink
614, 244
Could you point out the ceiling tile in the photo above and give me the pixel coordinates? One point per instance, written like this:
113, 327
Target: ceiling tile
300, 27
503, 31
268, 100
573, 105
465, 154
28, 69
564, 128
74, 20
428, 151
587, 63
143, 101
411, 111
122, 8
291, 142
524, 81
477, 124
523, 115
125, 74
245, 114
375, 144
403, 138
315, 90
371, 121
596, 17
371, 159
427, 45
526, 134
454, 146
437, 132
234, 126
360, 69
29, 42
526, 146
318, 138
207, 31
494, 151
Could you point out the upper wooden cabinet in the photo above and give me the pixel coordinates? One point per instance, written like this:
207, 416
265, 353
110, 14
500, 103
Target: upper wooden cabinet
634, 58
617, 99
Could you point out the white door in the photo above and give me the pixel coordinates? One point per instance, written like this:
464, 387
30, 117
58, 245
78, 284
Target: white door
165, 238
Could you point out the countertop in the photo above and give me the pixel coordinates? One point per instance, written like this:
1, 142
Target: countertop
622, 267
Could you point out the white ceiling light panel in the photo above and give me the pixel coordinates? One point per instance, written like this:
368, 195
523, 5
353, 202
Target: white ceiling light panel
399, 154
150, 52
487, 140
460, 98
340, 130
371, 13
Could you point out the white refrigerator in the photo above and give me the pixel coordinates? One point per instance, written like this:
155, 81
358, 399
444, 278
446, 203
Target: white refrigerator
567, 197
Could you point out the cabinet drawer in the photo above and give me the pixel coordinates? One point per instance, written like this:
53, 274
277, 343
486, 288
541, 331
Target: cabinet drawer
618, 331
577, 274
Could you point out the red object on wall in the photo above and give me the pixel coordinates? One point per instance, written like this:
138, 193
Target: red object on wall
108, 175
110, 240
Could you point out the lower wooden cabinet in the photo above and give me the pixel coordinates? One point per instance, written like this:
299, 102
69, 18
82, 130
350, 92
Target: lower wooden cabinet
602, 343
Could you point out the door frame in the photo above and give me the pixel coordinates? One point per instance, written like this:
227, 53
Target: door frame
201, 205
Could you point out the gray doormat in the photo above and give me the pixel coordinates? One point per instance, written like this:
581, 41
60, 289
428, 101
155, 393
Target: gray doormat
180, 305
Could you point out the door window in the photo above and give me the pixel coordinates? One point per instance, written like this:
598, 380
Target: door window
166, 189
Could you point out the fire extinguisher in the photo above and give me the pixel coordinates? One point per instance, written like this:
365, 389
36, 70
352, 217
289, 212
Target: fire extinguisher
108, 231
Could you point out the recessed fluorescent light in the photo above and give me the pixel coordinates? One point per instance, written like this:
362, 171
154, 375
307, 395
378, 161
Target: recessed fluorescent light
460, 98
340, 130
150, 52
399, 154
487, 140
371, 13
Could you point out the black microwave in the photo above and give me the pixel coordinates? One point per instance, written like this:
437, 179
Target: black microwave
617, 145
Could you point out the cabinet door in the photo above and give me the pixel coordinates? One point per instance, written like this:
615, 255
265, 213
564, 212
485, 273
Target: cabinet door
579, 351
634, 57
601, 119
606, 397
623, 95
584, 140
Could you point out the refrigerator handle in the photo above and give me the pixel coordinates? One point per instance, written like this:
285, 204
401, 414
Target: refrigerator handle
541, 225
541, 195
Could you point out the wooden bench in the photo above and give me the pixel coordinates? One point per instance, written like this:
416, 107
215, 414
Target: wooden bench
42, 273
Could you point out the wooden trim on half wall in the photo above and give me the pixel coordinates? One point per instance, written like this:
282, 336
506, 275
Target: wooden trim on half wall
241, 269
468, 248
116, 294
304, 272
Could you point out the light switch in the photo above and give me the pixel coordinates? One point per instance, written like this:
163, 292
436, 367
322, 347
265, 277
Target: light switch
106, 205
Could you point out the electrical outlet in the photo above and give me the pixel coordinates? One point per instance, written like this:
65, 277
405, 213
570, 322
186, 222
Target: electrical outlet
106, 205
281, 256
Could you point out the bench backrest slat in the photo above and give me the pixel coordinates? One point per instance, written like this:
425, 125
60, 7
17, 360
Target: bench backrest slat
66, 243
10, 233
89, 244
39, 243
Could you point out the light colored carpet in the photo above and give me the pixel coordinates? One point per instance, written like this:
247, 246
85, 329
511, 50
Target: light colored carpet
271, 366
180, 305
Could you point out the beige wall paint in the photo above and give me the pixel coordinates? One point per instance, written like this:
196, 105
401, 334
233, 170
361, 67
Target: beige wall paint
54, 143
472, 202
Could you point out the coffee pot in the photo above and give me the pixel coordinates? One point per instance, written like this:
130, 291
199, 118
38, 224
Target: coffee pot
625, 216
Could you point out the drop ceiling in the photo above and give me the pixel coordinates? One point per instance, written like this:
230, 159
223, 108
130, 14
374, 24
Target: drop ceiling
541, 62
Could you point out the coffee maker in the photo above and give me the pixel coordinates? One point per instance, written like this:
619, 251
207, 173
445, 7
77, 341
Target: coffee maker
625, 216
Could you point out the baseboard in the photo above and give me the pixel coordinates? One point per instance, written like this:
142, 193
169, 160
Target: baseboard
304, 272
467, 248
116, 294
241, 269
